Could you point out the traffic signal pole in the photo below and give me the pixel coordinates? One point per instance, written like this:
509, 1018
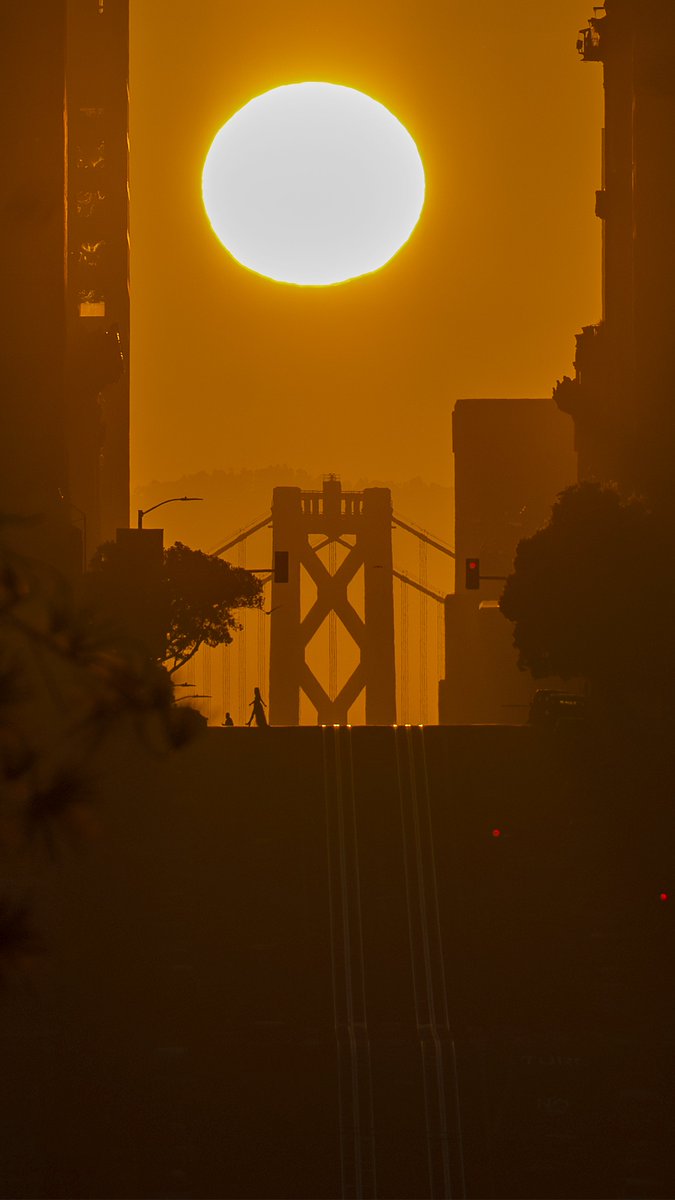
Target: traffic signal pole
473, 577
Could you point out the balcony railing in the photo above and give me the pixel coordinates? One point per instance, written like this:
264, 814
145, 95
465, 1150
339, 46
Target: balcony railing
349, 504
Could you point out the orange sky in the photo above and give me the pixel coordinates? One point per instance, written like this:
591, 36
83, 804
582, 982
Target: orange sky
230, 370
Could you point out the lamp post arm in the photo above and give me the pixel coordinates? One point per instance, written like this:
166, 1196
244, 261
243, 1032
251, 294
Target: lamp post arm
143, 512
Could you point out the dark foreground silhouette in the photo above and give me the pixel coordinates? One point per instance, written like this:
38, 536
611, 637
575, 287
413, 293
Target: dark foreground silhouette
258, 705
438, 960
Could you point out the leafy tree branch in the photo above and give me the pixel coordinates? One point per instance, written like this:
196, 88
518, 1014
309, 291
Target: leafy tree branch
592, 594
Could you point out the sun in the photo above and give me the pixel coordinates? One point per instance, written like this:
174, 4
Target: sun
313, 184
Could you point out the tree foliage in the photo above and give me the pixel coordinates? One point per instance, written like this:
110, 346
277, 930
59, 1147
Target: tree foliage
196, 596
592, 593
204, 593
67, 685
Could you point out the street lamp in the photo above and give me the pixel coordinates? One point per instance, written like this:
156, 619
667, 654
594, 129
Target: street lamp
143, 512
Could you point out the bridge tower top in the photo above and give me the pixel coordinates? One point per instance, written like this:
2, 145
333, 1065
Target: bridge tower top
305, 524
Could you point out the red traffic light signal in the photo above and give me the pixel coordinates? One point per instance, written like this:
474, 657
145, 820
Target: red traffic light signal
472, 574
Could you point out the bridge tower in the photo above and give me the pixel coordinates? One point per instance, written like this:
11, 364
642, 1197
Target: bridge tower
305, 524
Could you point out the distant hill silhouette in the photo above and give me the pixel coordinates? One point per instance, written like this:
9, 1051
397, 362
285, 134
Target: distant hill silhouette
234, 499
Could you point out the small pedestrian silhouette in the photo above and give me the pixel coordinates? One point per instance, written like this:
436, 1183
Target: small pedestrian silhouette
258, 705
228, 719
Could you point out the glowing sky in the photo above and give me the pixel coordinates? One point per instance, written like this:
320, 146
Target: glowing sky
232, 370
313, 184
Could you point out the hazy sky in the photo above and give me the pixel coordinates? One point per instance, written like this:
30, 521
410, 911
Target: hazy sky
231, 370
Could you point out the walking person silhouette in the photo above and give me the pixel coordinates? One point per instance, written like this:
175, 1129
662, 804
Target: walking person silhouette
258, 705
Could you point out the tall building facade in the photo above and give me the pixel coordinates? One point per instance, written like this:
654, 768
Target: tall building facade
512, 458
64, 306
622, 396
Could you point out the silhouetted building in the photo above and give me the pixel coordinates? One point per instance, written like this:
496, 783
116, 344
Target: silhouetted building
64, 309
512, 458
621, 397
140, 602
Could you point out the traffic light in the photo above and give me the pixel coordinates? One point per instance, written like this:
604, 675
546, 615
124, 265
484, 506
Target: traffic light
281, 566
472, 579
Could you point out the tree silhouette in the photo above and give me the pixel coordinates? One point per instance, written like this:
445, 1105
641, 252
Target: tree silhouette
592, 594
196, 596
203, 592
68, 683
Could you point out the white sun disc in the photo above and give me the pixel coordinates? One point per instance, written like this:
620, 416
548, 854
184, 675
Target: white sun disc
313, 183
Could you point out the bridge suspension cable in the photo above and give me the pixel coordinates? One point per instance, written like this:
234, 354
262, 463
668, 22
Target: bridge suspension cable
332, 630
423, 603
226, 680
425, 593
241, 642
242, 535
419, 587
423, 535
405, 664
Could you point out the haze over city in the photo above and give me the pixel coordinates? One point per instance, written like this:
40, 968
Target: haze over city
483, 301
337, 489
